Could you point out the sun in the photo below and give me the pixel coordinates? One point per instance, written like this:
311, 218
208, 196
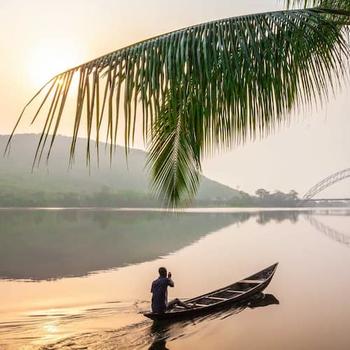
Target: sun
49, 59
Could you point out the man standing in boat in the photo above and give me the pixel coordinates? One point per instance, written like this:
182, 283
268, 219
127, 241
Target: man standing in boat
159, 292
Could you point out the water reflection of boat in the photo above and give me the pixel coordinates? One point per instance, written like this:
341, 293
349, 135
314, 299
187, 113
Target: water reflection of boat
162, 331
262, 300
213, 301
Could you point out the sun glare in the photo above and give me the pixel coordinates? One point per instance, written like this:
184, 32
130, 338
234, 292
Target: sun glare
48, 60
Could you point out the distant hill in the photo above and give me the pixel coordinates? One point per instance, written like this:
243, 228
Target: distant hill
55, 180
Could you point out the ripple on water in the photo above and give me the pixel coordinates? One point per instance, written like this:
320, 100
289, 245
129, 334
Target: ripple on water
151, 335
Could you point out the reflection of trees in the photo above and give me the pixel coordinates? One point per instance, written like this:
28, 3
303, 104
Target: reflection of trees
69, 216
102, 219
54, 244
265, 217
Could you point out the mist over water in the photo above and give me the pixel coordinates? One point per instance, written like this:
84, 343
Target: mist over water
78, 279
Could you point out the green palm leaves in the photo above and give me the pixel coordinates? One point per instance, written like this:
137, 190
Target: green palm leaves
325, 4
215, 84
175, 151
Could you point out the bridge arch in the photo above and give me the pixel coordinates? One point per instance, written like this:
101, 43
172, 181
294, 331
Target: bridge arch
325, 183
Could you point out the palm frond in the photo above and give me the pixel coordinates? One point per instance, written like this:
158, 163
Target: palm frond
214, 84
341, 5
175, 152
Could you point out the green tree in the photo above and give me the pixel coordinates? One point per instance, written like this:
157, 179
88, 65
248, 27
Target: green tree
293, 195
262, 193
216, 84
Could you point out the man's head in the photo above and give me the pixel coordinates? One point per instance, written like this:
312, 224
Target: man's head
162, 272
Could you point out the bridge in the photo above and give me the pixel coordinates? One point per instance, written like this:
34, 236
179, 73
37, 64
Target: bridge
331, 233
327, 200
322, 185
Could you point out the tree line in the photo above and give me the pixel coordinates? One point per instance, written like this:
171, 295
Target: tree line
107, 198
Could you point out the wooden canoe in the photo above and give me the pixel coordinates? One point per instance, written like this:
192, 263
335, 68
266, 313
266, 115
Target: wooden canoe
233, 294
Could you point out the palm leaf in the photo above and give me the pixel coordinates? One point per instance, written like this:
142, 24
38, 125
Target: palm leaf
211, 85
319, 3
175, 152
332, 6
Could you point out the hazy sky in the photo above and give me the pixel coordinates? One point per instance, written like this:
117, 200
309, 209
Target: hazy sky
39, 38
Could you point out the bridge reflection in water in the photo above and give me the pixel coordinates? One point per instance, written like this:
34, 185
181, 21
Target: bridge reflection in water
328, 231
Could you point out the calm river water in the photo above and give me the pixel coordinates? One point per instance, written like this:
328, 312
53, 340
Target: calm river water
78, 279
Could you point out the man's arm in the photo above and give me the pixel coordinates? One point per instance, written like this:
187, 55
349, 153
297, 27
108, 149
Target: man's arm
170, 281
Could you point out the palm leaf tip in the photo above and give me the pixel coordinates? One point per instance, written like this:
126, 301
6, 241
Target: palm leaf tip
173, 158
215, 84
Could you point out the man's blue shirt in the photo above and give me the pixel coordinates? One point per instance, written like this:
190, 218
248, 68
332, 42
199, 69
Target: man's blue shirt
159, 290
